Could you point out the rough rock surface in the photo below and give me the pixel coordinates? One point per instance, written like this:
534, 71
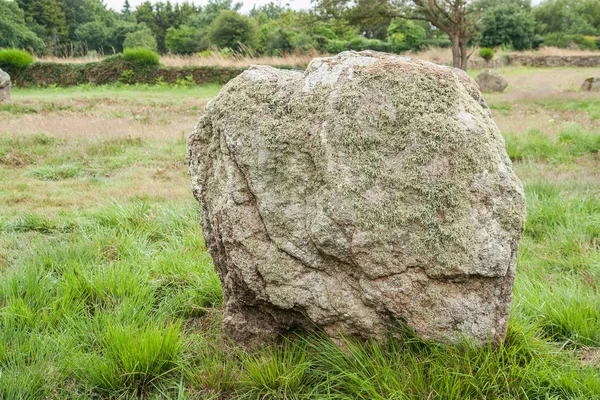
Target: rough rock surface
5, 88
491, 81
367, 191
591, 85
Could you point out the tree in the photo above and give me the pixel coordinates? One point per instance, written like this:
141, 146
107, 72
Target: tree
455, 17
405, 34
371, 17
118, 32
142, 37
568, 16
78, 12
94, 34
126, 11
232, 30
15, 32
183, 40
508, 24
46, 13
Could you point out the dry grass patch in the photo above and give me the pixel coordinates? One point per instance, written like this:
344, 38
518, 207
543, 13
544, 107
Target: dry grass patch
301, 60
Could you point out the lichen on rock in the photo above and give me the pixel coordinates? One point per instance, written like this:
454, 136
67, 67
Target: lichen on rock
5, 85
490, 80
369, 190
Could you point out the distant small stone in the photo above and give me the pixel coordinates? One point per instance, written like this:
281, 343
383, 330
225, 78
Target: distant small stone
591, 85
370, 191
491, 81
5, 88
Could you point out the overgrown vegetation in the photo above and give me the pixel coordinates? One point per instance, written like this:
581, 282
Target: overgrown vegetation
14, 58
107, 289
88, 28
141, 56
137, 66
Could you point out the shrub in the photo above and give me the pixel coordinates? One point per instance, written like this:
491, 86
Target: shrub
142, 37
336, 46
15, 58
439, 42
141, 56
233, 30
563, 40
486, 53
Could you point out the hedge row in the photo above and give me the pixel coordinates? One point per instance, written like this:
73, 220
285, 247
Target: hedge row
115, 70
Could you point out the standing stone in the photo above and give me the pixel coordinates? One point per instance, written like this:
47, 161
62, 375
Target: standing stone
5, 88
491, 81
368, 191
591, 85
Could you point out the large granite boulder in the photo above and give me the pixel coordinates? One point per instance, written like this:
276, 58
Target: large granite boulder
5, 88
491, 81
591, 85
368, 191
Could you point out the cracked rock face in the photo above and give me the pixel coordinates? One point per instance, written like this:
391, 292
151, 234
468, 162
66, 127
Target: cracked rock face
368, 191
491, 81
5, 88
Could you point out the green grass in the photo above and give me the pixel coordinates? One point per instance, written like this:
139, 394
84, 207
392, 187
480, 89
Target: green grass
107, 289
153, 94
141, 56
571, 143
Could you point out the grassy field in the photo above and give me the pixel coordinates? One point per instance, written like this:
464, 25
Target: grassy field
107, 290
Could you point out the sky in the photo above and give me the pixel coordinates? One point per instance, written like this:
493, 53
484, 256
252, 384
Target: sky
248, 4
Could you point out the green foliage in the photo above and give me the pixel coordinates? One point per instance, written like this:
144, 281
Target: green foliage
126, 76
15, 58
95, 34
184, 40
15, 32
507, 24
486, 53
232, 30
570, 17
405, 34
47, 14
438, 42
564, 40
142, 37
76, 27
141, 56
112, 69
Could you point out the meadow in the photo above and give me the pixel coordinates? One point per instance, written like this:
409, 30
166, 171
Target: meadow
108, 291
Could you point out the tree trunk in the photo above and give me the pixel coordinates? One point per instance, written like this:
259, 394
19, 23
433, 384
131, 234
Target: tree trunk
464, 55
456, 59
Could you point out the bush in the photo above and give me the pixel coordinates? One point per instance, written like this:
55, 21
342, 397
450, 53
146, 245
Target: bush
562, 40
142, 37
15, 58
141, 56
439, 42
233, 30
486, 53
336, 46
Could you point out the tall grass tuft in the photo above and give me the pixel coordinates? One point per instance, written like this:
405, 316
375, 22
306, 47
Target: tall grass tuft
15, 58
